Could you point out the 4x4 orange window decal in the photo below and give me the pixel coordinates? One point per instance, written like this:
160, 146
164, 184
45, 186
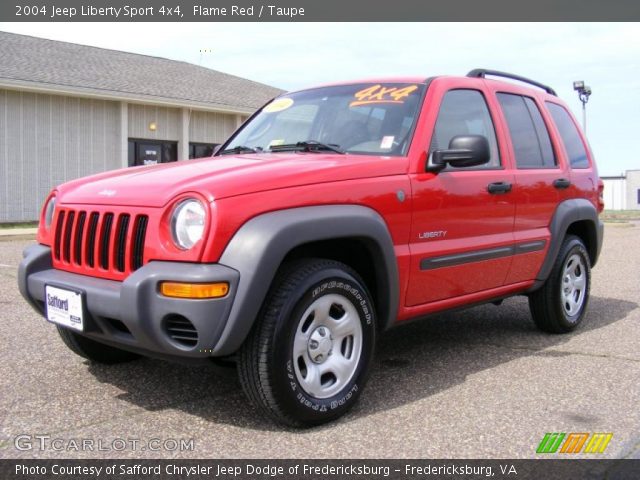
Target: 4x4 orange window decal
380, 94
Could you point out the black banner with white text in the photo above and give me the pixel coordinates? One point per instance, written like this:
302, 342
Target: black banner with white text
315, 11
319, 469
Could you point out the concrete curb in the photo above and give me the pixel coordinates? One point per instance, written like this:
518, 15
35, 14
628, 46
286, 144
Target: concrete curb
17, 232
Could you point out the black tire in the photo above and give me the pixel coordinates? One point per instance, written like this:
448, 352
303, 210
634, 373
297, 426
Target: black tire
270, 375
550, 309
92, 350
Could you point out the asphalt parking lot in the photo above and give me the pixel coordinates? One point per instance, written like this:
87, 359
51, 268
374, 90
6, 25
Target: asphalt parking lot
482, 383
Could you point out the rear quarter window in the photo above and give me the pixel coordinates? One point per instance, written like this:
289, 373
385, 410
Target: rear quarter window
571, 139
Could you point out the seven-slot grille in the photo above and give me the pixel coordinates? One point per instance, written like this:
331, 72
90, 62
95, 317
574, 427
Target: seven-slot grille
95, 241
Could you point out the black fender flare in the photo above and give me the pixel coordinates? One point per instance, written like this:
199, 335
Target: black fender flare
567, 213
258, 248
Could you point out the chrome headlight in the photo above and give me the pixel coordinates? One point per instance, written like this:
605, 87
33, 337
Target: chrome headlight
49, 210
187, 223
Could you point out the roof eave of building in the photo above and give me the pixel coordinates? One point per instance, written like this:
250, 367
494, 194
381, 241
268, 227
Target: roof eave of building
48, 88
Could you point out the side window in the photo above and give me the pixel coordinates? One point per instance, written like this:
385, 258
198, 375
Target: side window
573, 145
529, 135
465, 112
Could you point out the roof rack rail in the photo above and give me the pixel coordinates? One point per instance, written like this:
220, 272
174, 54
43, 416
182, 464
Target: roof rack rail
483, 72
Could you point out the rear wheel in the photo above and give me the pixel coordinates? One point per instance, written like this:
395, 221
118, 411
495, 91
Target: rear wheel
307, 359
560, 304
92, 350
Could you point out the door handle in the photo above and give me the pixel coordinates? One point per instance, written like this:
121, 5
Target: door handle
561, 183
499, 187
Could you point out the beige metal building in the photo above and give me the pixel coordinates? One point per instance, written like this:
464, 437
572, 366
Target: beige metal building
622, 192
69, 110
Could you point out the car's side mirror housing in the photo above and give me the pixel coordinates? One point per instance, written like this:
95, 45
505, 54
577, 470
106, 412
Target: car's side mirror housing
464, 151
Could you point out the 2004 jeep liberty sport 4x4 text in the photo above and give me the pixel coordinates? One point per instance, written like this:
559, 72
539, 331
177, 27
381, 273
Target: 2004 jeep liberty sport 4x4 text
331, 215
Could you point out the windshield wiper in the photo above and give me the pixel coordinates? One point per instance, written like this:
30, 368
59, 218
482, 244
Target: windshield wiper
308, 146
239, 149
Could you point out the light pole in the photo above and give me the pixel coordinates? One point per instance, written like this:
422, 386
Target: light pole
584, 92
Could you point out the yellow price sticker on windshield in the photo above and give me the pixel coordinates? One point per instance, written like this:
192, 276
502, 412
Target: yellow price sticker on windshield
278, 105
380, 94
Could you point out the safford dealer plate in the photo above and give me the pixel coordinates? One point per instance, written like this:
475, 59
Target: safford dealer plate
64, 307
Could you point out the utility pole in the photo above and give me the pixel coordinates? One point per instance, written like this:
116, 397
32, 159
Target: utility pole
584, 92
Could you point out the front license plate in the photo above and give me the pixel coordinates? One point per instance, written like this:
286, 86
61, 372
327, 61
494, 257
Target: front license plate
64, 307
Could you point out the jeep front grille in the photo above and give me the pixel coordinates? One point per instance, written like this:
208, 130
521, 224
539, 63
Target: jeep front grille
99, 241
138, 244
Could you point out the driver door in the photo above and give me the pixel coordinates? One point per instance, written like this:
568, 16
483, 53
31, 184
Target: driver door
462, 229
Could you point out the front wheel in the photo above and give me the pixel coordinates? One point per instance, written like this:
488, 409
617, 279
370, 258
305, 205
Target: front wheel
307, 359
560, 304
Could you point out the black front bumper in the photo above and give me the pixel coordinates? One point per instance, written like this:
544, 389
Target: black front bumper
132, 314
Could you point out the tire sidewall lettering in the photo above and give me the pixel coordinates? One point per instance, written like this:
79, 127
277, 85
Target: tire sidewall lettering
345, 286
340, 286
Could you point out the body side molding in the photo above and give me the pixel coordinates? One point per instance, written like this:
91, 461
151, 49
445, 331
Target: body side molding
480, 255
466, 257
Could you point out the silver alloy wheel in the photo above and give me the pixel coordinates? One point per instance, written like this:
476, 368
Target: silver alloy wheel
327, 345
574, 284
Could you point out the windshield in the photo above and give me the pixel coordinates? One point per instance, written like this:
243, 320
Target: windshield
373, 119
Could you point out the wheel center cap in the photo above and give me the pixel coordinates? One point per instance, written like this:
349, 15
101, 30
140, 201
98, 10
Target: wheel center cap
320, 344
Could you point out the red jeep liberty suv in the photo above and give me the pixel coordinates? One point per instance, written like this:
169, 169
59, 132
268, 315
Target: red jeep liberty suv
331, 215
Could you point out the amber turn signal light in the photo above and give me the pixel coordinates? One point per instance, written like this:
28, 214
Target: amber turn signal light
194, 290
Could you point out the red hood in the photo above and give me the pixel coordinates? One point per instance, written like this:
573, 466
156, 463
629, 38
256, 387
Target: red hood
221, 177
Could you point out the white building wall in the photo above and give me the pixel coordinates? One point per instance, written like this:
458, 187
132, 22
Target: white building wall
46, 140
633, 189
168, 122
211, 127
615, 194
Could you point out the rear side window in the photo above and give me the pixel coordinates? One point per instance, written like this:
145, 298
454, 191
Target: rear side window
529, 135
573, 145
465, 112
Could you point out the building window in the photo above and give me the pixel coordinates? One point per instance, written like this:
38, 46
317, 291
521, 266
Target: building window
151, 152
201, 150
639, 196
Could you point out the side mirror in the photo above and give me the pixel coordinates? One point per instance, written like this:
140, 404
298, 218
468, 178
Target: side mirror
463, 151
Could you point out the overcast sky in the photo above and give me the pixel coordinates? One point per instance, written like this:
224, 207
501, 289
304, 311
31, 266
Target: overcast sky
296, 55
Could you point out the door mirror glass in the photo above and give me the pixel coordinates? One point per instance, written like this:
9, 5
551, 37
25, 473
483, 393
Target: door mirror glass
463, 151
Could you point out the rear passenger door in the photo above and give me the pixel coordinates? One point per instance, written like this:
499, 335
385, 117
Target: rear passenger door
540, 182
